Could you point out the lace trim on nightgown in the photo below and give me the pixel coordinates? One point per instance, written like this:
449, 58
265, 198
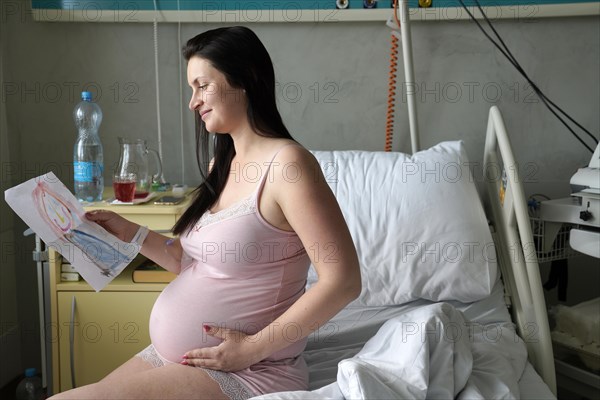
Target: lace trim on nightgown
243, 207
229, 385
150, 355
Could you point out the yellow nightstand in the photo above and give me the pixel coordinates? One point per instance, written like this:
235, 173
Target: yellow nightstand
93, 333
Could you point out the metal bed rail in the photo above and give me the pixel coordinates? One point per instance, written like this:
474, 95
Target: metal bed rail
506, 207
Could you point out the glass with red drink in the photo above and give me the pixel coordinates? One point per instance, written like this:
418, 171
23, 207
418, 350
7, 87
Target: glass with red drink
124, 187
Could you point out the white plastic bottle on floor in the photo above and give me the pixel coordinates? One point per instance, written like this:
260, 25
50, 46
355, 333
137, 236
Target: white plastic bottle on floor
30, 388
88, 159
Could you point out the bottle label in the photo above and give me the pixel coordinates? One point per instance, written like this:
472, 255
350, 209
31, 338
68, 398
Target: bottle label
86, 171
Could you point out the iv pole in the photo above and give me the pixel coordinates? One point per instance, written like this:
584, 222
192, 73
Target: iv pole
409, 75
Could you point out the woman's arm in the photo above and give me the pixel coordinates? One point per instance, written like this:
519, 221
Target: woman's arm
159, 248
312, 211
163, 250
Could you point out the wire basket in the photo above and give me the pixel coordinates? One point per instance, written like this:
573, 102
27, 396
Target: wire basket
552, 240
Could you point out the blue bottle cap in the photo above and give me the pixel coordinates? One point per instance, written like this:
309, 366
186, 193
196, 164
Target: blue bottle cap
29, 372
86, 96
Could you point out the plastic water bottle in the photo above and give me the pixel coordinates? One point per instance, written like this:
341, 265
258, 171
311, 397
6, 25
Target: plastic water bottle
88, 160
30, 388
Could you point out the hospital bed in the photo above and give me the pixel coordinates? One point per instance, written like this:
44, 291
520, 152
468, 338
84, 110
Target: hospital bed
452, 304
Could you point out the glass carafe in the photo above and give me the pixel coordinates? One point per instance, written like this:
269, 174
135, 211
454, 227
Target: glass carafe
133, 160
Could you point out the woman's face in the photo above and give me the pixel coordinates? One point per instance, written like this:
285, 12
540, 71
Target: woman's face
221, 107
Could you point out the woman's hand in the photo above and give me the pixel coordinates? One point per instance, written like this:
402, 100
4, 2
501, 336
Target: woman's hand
236, 352
114, 223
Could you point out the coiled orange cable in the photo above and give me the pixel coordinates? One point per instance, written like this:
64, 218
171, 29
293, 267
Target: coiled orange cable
389, 127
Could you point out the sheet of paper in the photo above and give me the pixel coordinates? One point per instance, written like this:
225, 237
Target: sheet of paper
54, 214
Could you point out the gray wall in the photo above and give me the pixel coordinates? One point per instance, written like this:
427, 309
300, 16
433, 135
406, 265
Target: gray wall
10, 337
332, 81
333, 95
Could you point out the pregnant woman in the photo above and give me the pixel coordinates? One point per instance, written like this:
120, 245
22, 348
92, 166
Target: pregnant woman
234, 322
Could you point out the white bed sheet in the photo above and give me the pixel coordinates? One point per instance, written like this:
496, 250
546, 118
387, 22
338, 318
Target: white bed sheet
500, 366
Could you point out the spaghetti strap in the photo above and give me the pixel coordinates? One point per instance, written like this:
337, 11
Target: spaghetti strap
278, 150
266, 174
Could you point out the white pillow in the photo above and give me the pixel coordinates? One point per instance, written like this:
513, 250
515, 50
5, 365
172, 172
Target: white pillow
417, 223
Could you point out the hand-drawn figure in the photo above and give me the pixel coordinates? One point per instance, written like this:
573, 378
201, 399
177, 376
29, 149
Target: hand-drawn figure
58, 214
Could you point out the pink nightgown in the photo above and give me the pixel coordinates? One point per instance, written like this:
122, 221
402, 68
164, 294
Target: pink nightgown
238, 272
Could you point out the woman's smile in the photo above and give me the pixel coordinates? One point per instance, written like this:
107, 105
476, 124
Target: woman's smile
203, 113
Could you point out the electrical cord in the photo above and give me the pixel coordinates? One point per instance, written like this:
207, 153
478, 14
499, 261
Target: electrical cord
508, 54
522, 71
389, 127
157, 83
181, 132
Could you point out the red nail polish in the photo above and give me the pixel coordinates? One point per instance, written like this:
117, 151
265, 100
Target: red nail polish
184, 362
184, 357
206, 328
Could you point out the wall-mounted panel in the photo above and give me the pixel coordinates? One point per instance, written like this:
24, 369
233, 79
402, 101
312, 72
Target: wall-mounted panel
237, 11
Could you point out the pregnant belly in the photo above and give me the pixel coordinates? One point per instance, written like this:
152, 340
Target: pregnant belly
189, 302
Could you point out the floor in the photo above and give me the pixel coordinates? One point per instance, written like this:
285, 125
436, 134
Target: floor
8, 391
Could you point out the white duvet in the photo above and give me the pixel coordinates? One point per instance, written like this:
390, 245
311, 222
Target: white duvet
429, 352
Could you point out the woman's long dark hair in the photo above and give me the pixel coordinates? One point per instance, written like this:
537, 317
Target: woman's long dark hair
241, 57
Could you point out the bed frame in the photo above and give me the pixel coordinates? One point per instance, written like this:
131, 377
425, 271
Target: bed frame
506, 208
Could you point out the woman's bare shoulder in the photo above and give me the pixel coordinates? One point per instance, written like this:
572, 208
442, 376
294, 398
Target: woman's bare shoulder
294, 164
294, 152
